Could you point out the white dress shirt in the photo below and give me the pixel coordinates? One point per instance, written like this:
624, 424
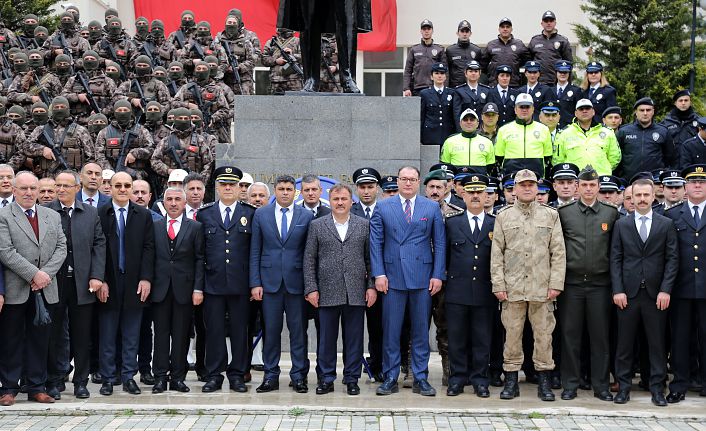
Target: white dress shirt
648, 222
411, 202
190, 212
278, 216
371, 206
472, 222
439, 89
222, 207
85, 198
177, 225
315, 209
342, 228
117, 212
701, 206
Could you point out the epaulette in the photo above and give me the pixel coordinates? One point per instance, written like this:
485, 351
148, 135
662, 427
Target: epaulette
207, 205
674, 206
483, 85
247, 204
548, 206
565, 204
609, 204
457, 210
490, 214
503, 208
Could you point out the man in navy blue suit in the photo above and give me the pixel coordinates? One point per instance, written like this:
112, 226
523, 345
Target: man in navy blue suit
408, 259
279, 232
91, 180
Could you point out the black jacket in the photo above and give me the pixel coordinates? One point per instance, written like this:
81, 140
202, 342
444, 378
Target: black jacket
681, 125
691, 279
602, 98
691, 152
457, 56
567, 103
466, 99
645, 148
437, 121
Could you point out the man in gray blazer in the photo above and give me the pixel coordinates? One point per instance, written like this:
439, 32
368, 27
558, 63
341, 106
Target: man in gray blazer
337, 282
80, 276
32, 249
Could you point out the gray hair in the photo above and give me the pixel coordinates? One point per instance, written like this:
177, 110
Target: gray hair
259, 184
6, 167
74, 174
177, 190
23, 174
310, 178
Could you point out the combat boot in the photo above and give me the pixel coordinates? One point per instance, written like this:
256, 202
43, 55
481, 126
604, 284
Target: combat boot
511, 389
544, 389
445, 370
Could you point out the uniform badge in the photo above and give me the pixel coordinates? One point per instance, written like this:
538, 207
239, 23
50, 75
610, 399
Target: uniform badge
655, 136
536, 134
192, 149
557, 45
602, 135
482, 95
604, 226
243, 221
113, 142
599, 97
537, 94
490, 235
512, 97
481, 147
210, 96
365, 171
120, 52
695, 124
449, 97
569, 93
473, 54
434, 51
513, 47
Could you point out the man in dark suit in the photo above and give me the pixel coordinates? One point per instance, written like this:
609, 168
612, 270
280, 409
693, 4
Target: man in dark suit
407, 257
688, 308
276, 278
470, 302
644, 262
129, 271
80, 276
178, 283
341, 295
227, 226
436, 120
32, 249
91, 179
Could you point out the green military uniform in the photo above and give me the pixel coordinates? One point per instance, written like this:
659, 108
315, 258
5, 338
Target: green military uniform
596, 146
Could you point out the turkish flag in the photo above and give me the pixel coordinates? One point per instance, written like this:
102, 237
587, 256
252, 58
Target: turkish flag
261, 17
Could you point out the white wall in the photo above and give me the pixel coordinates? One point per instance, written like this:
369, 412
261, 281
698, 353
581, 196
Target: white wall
95, 9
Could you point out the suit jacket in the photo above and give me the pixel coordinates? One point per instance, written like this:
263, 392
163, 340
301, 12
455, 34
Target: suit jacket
139, 253
88, 247
2, 280
23, 255
102, 199
468, 262
437, 121
275, 260
358, 210
691, 279
409, 254
337, 269
655, 262
227, 272
181, 268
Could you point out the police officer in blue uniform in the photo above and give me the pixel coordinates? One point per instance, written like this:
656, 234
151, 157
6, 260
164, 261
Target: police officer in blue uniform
566, 93
389, 187
227, 230
693, 151
503, 96
687, 309
437, 121
597, 90
472, 94
540, 93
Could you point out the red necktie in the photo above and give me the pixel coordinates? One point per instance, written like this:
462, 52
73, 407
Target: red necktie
193, 216
170, 231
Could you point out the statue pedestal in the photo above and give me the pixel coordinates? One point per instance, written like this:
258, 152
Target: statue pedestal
326, 136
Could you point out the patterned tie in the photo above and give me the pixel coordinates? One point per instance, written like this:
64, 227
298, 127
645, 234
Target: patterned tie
170, 231
476, 229
29, 213
697, 217
408, 210
643, 229
226, 221
367, 213
90, 201
121, 242
283, 228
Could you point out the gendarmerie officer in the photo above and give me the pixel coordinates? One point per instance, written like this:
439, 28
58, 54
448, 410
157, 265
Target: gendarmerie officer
227, 231
469, 299
687, 310
437, 121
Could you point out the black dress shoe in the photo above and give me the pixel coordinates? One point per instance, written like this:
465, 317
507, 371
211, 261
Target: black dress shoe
423, 388
258, 367
658, 399
622, 397
481, 391
179, 386
496, 380
160, 385
604, 395
353, 389
324, 388
584, 385
454, 389
268, 385
131, 387
300, 386
389, 386
147, 378
238, 385
106, 389
54, 392
675, 397
81, 392
568, 394
212, 385
96, 378
556, 382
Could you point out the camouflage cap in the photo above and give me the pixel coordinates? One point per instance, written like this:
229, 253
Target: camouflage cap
525, 175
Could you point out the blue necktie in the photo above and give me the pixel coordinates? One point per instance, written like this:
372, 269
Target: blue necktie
476, 229
560, 93
121, 242
367, 213
29, 213
590, 92
226, 222
283, 228
697, 217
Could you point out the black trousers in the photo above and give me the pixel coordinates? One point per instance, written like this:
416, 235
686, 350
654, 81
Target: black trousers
497, 343
351, 319
641, 312
200, 334
255, 326
19, 335
144, 352
312, 313
581, 308
687, 318
374, 317
79, 318
470, 330
171, 328
214, 312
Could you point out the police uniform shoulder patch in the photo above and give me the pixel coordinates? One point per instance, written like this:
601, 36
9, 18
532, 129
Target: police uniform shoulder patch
457, 211
676, 205
210, 204
490, 214
503, 208
565, 204
247, 204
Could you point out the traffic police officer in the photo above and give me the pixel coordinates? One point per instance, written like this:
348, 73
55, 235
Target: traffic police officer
437, 121
468, 148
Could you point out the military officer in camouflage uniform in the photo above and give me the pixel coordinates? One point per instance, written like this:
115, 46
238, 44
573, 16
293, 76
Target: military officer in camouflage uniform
528, 261
200, 46
95, 32
26, 39
154, 122
242, 50
184, 149
182, 36
28, 86
282, 75
164, 52
197, 121
249, 34
329, 60
18, 116
96, 123
125, 138
62, 68
40, 116
142, 32
102, 87
223, 132
65, 36
68, 138
13, 144
175, 73
152, 88
117, 47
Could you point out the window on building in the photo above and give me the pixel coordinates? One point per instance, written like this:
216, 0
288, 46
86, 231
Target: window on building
382, 72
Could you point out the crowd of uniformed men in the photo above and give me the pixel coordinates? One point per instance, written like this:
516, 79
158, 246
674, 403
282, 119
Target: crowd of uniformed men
98, 124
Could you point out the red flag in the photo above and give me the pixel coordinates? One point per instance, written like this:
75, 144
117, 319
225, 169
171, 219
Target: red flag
261, 17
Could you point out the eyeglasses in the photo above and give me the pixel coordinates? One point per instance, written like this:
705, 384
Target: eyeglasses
408, 180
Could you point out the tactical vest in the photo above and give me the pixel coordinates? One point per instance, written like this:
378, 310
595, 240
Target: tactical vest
114, 143
190, 156
7, 141
100, 94
70, 147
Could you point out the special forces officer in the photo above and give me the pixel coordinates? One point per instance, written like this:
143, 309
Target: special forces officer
242, 50
282, 75
103, 89
117, 47
144, 87
420, 58
468, 148
13, 144
528, 261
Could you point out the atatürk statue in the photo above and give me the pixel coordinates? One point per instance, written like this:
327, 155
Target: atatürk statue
345, 18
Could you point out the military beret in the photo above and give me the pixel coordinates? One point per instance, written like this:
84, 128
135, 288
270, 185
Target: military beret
588, 174
450, 169
544, 185
672, 178
681, 93
565, 171
438, 174
612, 110
594, 66
525, 175
656, 174
389, 183
475, 183
228, 174
694, 172
563, 66
641, 176
503, 68
643, 101
366, 175
473, 65
608, 183
532, 66
549, 106
439, 67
